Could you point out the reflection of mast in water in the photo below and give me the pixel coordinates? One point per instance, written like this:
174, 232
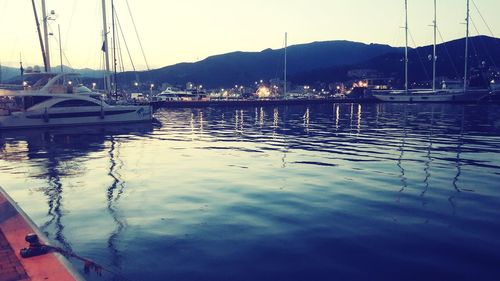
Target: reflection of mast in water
261, 117
307, 119
113, 195
201, 122
286, 146
351, 116
337, 116
54, 193
359, 118
459, 151
239, 121
402, 176
429, 159
191, 123
276, 121
458, 163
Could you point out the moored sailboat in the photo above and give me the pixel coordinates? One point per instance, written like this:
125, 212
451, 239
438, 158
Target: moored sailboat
435, 95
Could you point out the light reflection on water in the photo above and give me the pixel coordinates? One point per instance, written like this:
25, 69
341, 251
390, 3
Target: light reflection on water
334, 191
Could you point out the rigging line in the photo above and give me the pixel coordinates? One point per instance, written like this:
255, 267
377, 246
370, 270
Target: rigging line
484, 21
67, 60
120, 55
137, 34
448, 53
70, 24
419, 57
474, 48
120, 29
484, 45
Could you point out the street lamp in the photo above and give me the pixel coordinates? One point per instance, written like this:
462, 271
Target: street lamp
151, 89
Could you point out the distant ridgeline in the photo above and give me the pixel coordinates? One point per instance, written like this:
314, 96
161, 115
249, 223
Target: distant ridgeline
326, 62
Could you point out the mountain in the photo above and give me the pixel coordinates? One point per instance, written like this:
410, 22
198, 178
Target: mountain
247, 67
12, 74
7, 73
484, 51
324, 62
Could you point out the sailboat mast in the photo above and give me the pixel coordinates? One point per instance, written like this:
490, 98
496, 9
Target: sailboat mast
114, 48
286, 47
40, 37
107, 81
406, 45
60, 47
46, 34
466, 46
434, 55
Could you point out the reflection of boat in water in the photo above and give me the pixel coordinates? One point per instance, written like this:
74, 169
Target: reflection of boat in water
60, 100
58, 153
84, 140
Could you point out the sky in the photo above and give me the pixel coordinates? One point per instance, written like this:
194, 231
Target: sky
174, 31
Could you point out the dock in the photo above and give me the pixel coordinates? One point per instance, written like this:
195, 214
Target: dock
14, 226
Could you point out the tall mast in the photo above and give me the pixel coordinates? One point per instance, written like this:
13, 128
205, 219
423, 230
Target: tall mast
466, 45
60, 47
286, 47
107, 82
406, 46
46, 34
434, 55
114, 48
40, 37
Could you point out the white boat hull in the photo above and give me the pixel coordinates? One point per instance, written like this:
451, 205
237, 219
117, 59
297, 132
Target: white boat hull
65, 117
459, 96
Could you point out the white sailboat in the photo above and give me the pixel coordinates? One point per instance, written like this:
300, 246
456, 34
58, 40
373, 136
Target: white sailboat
60, 100
51, 99
434, 94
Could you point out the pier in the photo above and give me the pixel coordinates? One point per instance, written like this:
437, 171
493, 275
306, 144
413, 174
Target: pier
14, 226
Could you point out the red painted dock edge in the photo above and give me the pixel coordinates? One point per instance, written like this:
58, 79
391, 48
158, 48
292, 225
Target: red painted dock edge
15, 225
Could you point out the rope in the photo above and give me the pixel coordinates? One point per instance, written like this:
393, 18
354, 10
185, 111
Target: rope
137, 34
419, 57
449, 55
484, 21
474, 48
89, 265
125, 42
484, 46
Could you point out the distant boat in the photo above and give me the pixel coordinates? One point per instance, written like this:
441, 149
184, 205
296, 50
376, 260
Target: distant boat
434, 95
61, 100
174, 94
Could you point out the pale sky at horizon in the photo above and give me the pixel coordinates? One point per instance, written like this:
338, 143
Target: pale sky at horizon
191, 30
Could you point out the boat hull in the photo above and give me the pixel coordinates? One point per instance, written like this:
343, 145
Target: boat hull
469, 96
57, 118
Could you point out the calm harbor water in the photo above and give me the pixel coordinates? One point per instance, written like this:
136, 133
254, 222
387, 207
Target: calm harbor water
325, 192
